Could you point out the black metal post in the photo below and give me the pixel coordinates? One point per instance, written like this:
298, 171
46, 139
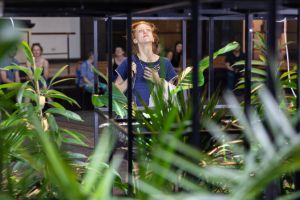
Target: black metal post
184, 36
297, 174
68, 53
272, 35
96, 116
211, 43
110, 72
196, 41
248, 64
129, 90
95, 51
273, 189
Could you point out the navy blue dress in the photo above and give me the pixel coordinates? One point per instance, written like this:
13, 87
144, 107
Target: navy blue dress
141, 86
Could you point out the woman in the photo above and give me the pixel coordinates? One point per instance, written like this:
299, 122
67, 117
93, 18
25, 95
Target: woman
177, 56
147, 67
119, 57
40, 61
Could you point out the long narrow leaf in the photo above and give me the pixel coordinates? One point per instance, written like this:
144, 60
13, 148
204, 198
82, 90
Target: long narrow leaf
57, 74
27, 52
66, 113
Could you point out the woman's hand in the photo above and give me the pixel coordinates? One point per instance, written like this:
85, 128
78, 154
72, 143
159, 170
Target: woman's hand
133, 69
151, 75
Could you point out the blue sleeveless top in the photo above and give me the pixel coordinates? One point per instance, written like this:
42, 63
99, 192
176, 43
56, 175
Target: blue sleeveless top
141, 86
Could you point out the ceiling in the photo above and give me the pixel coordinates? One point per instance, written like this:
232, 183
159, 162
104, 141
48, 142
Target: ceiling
102, 8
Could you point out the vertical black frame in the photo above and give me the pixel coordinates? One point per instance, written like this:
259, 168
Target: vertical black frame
248, 63
109, 57
196, 54
272, 191
211, 44
297, 174
95, 51
129, 104
272, 46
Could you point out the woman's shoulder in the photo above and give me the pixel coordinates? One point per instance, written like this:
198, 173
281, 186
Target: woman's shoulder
45, 62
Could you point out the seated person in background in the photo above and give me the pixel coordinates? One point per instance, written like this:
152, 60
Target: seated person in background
233, 73
10, 75
87, 76
147, 66
40, 61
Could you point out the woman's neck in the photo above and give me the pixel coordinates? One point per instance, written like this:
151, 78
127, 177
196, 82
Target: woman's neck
146, 53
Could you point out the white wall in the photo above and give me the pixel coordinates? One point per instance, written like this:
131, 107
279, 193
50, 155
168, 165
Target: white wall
56, 43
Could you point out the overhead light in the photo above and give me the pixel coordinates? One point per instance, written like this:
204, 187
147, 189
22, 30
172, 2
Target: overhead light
1, 7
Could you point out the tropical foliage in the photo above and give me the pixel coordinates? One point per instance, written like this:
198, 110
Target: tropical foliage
34, 163
285, 79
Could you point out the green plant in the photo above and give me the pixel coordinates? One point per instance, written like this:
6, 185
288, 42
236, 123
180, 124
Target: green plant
185, 78
34, 164
286, 80
184, 82
175, 166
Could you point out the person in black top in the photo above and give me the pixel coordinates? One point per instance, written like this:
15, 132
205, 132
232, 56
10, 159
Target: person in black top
119, 57
233, 73
177, 57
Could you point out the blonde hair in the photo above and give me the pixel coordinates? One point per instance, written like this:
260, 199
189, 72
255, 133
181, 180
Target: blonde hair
154, 30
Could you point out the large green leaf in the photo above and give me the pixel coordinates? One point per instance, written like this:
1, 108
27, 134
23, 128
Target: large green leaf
100, 156
57, 74
26, 70
253, 62
185, 78
37, 73
118, 98
27, 51
66, 113
61, 173
73, 137
52, 123
118, 105
62, 80
21, 92
56, 105
10, 85
59, 95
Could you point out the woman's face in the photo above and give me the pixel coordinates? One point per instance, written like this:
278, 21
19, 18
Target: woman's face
143, 34
119, 51
36, 51
179, 48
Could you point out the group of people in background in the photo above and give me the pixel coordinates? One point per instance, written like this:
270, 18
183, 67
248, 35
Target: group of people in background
9, 76
148, 66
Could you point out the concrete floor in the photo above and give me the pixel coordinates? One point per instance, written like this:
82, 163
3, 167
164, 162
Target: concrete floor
86, 128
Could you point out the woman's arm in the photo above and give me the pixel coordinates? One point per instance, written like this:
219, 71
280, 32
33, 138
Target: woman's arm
4, 77
121, 84
17, 76
28, 64
46, 69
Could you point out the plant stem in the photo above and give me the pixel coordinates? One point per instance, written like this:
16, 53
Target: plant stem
38, 92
